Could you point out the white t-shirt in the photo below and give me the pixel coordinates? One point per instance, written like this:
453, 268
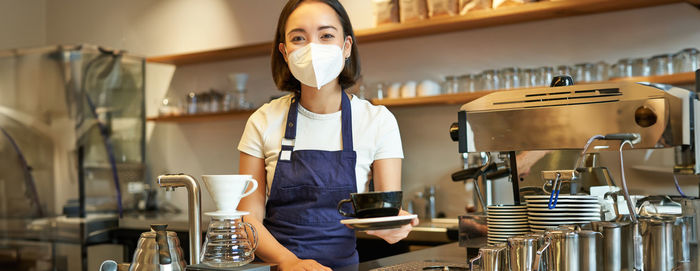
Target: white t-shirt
374, 129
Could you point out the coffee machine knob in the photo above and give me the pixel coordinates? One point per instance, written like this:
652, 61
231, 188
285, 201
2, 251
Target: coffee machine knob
562, 81
454, 131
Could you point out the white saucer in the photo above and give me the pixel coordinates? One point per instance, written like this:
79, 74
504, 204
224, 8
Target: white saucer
557, 209
379, 223
580, 214
576, 197
494, 207
227, 214
582, 206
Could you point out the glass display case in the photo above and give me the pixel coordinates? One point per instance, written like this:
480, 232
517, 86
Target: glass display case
72, 128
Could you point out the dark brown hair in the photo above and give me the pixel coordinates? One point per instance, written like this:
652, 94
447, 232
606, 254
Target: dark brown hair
280, 71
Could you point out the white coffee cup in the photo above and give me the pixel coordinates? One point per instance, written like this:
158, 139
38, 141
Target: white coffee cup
227, 190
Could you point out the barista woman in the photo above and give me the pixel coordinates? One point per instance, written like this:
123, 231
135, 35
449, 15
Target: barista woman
314, 147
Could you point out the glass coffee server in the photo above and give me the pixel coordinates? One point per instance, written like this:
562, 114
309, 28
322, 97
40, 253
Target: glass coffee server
71, 139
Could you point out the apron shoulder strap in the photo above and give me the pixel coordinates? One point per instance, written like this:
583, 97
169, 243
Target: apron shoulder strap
290, 132
346, 122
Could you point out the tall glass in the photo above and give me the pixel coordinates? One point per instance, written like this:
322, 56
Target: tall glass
639, 67
490, 80
602, 72
510, 78
584, 72
527, 78
687, 60
467, 83
623, 68
661, 64
543, 76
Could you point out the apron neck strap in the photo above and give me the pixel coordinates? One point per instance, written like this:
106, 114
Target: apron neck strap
290, 132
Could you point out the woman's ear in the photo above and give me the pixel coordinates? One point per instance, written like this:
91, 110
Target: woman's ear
348, 47
283, 51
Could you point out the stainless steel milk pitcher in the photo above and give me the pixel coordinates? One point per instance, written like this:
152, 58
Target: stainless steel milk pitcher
562, 254
522, 251
493, 258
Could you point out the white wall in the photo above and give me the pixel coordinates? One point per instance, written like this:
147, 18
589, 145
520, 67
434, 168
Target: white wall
22, 23
161, 27
165, 27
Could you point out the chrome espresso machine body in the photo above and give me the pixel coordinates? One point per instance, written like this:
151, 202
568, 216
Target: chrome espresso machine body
567, 117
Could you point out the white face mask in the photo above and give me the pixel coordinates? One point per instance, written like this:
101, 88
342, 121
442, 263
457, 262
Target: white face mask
316, 64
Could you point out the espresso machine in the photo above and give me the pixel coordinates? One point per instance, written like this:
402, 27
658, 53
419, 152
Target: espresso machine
565, 116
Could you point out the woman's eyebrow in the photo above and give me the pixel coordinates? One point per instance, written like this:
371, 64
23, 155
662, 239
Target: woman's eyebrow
296, 30
327, 27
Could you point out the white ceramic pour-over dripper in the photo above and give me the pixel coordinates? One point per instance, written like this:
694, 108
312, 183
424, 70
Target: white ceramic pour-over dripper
227, 190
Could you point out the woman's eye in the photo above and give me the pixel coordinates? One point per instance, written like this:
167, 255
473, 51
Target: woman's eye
297, 38
327, 36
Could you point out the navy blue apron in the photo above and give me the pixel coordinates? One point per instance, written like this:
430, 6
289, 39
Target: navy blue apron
301, 211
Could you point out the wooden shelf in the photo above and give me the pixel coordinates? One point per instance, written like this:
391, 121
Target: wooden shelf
457, 98
462, 98
476, 19
203, 117
672, 79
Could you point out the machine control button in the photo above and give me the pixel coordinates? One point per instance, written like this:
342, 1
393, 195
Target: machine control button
454, 131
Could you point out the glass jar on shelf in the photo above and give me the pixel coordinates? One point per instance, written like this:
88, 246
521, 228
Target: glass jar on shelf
490, 80
584, 72
543, 76
661, 64
687, 60
510, 78
639, 67
527, 78
170, 106
451, 84
380, 92
467, 83
192, 100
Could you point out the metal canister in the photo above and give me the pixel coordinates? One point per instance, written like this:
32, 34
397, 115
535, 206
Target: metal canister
590, 243
682, 232
562, 254
657, 242
631, 256
612, 245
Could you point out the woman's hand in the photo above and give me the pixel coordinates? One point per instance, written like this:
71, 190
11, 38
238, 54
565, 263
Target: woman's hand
302, 265
392, 236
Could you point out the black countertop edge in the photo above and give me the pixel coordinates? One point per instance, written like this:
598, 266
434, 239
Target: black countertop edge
451, 253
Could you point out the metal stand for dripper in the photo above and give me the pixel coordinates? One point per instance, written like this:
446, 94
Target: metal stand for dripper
194, 203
